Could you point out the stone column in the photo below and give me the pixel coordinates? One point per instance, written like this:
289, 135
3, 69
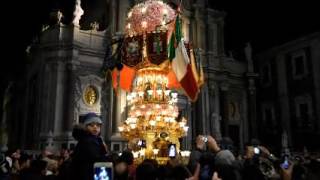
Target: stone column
198, 29
204, 98
252, 94
119, 116
113, 14
46, 134
206, 108
118, 13
105, 109
112, 108
220, 37
211, 32
69, 117
283, 95
122, 14
47, 123
215, 118
224, 87
59, 97
188, 139
252, 98
244, 122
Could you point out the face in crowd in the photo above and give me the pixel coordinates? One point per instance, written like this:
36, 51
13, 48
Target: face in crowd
94, 128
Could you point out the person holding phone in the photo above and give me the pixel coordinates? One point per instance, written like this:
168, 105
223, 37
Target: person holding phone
89, 149
285, 163
286, 168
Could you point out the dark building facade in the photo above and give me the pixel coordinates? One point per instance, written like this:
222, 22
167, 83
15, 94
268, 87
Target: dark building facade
289, 93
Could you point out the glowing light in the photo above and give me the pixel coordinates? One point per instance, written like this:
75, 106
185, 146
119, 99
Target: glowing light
142, 152
140, 93
144, 24
159, 92
150, 92
165, 12
155, 151
182, 124
133, 126
135, 154
143, 10
185, 153
174, 95
120, 128
152, 123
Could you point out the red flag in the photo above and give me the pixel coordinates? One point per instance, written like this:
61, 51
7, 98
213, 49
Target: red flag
172, 81
127, 75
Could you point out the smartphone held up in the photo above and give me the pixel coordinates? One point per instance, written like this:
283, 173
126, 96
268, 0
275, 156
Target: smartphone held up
103, 171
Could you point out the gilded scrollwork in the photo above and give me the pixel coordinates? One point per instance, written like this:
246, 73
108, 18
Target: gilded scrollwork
90, 95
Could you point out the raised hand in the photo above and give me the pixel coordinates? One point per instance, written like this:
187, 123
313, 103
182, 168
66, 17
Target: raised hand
213, 145
215, 176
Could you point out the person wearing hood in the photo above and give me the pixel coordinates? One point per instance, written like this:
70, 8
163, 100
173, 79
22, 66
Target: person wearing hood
89, 149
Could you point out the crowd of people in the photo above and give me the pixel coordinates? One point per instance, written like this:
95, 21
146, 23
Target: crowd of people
211, 159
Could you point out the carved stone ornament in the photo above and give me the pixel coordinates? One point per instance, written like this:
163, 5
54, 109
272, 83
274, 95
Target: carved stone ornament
88, 94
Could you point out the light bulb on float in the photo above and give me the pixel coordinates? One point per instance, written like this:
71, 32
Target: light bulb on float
120, 128
129, 26
144, 24
165, 12
143, 9
129, 14
152, 123
155, 152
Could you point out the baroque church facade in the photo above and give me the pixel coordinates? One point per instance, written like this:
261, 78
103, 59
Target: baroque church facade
64, 81
289, 93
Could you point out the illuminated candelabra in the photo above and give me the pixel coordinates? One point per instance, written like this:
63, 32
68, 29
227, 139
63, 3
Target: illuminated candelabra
152, 111
152, 123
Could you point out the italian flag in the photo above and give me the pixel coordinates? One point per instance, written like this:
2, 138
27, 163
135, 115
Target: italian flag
180, 63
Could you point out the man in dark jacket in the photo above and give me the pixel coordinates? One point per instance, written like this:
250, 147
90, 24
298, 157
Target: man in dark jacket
90, 148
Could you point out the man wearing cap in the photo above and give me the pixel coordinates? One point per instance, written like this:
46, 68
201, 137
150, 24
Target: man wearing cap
90, 147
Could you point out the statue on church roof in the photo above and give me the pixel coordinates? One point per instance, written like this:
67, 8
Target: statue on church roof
77, 13
55, 17
95, 26
248, 52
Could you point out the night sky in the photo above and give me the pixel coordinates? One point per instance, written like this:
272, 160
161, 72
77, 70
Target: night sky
263, 23
267, 23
